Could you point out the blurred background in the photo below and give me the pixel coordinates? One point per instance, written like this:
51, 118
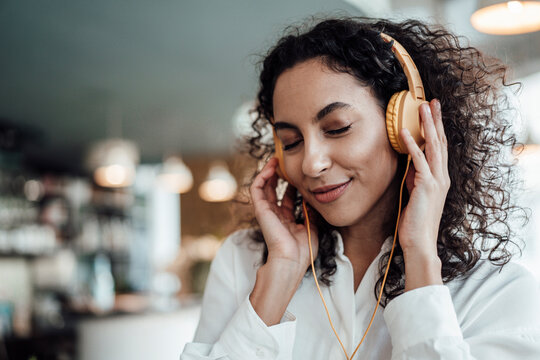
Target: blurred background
119, 128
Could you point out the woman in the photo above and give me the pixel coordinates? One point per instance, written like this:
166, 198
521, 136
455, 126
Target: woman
450, 292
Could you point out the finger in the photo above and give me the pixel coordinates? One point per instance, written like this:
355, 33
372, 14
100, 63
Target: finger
442, 135
270, 189
433, 146
437, 114
288, 198
257, 187
418, 158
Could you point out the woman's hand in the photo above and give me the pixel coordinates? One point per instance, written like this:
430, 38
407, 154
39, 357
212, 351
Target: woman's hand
288, 249
287, 241
428, 182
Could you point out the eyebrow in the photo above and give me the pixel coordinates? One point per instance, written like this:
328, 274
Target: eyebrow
320, 115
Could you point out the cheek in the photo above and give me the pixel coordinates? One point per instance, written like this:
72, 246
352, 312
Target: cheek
374, 157
361, 150
293, 167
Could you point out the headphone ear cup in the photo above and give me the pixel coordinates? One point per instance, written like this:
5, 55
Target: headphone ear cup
392, 121
280, 170
403, 112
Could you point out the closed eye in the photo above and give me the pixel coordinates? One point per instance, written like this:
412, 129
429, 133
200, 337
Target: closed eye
331, 132
339, 131
289, 147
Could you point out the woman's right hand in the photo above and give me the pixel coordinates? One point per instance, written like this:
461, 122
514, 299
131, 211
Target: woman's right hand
287, 241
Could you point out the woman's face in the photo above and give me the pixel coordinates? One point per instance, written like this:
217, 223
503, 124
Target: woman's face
333, 132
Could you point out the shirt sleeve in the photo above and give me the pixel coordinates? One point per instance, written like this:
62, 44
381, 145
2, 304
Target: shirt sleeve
502, 323
228, 330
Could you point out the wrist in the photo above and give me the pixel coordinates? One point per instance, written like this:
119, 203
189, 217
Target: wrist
422, 269
288, 270
274, 287
283, 264
423, 254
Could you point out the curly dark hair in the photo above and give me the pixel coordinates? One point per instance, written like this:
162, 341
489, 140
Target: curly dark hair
469, 84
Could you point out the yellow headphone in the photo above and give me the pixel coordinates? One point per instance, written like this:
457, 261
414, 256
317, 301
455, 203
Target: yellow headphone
402, 112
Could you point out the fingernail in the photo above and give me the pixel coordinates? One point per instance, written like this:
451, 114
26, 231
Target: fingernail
438, 105
428, 109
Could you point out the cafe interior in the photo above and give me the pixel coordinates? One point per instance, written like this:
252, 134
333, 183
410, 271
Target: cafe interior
121, 167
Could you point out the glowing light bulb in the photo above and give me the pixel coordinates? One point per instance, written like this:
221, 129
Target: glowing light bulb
515, 7
507, 18
220, 185
115, 174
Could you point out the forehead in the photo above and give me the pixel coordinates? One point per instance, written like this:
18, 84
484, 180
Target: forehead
309, 86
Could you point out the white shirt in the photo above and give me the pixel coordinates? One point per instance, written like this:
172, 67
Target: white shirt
487, 315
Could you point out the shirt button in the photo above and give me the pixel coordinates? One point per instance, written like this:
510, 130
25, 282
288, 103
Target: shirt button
260, 353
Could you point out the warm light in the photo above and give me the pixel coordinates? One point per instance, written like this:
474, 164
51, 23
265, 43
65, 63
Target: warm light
175, 183
220, 185
114, 175
507, 18
113, 162
175, 176
216, 190
515, 6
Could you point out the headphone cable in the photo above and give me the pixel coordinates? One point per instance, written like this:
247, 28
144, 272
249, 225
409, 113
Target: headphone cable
385, 274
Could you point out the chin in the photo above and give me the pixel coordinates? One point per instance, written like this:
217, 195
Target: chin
338, 220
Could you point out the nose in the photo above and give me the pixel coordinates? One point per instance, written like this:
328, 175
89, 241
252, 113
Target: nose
316, 158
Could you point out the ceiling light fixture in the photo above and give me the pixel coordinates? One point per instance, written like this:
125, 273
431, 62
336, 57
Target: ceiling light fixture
175, 176
506, 17
114, 162
219, 185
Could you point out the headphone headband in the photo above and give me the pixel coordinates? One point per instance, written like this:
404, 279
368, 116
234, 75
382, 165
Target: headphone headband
411, 72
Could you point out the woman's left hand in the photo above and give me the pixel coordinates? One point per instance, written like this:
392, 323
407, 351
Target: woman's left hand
428, 182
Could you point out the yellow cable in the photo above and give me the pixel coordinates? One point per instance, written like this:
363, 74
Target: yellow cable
385, 274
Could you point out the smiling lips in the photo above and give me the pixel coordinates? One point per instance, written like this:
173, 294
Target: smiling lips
328, 194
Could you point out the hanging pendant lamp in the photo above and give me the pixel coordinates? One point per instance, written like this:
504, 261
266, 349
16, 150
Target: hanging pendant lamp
219, 185
506, 17
175, 176
114, 162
